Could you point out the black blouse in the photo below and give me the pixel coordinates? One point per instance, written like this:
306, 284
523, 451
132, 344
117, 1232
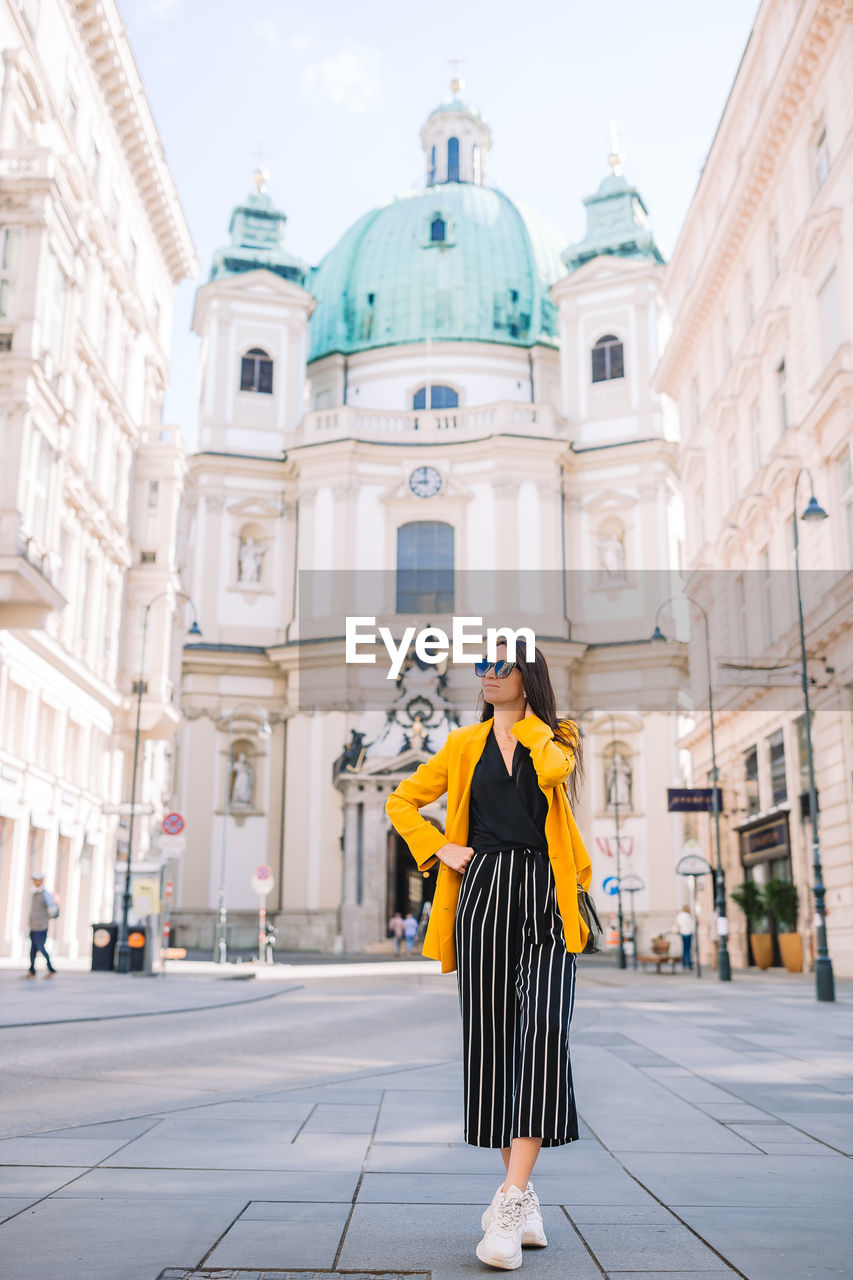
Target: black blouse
506, 812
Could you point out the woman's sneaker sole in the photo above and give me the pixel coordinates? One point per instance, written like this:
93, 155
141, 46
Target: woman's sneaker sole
505, 1264
534, 1236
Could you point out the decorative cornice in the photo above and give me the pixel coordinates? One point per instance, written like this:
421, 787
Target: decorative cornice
105, 36
759, 168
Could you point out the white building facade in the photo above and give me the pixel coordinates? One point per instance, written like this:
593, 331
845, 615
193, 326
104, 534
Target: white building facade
760, 364
452, 394
92, 244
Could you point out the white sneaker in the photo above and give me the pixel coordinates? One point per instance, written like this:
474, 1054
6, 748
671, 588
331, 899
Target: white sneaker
533, 1229
503, 1224
487, 1213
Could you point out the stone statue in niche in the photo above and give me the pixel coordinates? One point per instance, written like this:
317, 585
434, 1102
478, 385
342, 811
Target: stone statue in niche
250, 560
611, 555
618, 777
242, 781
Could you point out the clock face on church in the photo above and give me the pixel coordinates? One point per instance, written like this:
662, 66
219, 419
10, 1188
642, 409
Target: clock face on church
425, 482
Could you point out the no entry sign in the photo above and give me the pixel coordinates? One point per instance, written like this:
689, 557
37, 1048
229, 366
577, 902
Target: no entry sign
263, 881
173, 824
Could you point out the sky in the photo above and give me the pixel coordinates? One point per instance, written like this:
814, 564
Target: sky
333, 96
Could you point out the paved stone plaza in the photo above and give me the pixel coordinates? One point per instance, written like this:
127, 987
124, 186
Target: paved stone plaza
310, 1124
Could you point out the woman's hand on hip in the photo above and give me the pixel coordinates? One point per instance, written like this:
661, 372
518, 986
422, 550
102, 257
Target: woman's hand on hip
456, 856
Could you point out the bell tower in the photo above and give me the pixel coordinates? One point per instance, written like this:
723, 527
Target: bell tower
252, 316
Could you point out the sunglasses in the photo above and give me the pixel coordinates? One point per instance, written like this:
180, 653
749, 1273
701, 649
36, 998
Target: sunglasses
502, 668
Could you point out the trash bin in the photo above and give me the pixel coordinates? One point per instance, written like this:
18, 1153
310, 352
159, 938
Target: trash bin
104, 938
136, 939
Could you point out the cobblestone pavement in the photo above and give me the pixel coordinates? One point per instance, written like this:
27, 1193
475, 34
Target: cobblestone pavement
317, 1131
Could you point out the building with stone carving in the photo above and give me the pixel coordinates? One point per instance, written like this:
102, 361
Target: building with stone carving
454, 392
92, 244
760, 364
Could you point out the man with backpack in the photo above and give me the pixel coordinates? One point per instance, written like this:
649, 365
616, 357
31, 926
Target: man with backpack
43, 909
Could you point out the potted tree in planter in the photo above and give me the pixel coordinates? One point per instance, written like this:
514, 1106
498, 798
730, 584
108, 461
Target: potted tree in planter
783, 900
750, 899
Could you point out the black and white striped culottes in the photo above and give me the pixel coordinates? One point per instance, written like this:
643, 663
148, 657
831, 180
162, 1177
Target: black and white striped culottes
516, 994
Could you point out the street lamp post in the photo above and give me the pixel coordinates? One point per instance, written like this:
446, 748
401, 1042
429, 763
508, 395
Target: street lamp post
123, 954
633, 884
220, 952
724, 967
824, 982
620, 954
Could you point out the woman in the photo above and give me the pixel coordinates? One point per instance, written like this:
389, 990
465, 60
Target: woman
505, 917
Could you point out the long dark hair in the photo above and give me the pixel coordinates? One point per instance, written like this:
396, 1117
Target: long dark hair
540, 695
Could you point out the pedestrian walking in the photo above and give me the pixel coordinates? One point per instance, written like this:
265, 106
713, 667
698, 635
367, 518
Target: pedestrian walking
395, 929
423, 921
505, 918
410, 929
684, 926
43, 909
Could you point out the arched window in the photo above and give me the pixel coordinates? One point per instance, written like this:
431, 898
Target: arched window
437, 229
607, 359
439, 398
425, 567
256, 371
431, 174
452, 159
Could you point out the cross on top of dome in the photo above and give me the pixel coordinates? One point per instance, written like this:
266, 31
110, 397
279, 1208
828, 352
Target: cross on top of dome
457, 84
616, 156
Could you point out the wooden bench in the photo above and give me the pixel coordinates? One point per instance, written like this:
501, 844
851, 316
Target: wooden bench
659, 960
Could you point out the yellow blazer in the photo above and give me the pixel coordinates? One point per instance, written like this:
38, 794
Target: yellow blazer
451, 770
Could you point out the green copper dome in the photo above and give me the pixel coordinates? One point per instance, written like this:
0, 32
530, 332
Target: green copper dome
456, 262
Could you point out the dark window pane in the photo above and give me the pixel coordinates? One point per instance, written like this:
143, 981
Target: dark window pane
452, 159
751, 778
425, 567
617, 368
778, 783
443, 398
256, 372
607, 359
437, 230
419, 399
247, 374
599, 367
265, 376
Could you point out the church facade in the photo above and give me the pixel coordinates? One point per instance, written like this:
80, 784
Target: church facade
454, 404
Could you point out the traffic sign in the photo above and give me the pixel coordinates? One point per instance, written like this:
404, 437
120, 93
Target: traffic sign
610, 884
263, 881
173, 824
172, 846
